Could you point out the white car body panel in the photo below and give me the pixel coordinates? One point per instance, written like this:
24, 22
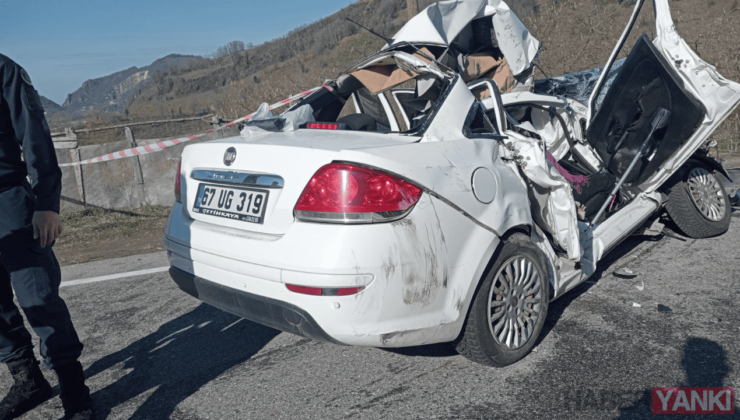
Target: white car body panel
295, 156
597, 242
444, 161
556, 210
420, 273
514, 98
421, 270
449, 121
719, 96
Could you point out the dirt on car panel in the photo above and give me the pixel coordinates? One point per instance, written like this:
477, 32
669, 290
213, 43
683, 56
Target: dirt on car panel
385, 338
423, 261
390, 262
459, 303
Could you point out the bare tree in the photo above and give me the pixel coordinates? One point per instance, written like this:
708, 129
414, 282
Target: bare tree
230, 48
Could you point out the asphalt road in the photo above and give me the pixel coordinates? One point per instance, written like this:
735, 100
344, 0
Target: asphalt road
153, 352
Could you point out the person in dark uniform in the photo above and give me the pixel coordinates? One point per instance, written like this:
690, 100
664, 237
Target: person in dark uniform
29, 224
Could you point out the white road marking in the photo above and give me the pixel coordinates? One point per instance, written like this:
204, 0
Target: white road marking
114, 276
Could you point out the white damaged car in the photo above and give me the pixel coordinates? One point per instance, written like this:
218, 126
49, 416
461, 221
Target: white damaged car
420, 197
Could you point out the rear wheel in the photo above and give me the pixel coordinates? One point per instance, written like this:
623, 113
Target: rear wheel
510, 307
698, 203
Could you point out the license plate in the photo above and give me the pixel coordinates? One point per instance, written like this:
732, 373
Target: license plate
245, 204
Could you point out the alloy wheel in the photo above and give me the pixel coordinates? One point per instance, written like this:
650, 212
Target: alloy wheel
706, 194
514, 302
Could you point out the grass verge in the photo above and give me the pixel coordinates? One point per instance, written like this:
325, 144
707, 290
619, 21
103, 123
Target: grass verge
93, 234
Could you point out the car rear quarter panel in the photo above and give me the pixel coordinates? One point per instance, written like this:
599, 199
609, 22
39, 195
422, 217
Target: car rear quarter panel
425, 269
445, 169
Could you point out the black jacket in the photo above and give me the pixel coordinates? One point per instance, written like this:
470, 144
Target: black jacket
23, 127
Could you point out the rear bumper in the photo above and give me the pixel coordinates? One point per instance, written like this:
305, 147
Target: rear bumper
263, 310
415, 273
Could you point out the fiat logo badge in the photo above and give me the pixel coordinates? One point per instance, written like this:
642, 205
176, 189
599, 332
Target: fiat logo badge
229, 156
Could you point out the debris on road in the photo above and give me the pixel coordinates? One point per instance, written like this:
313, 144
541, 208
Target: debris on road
735, 199
624, 273
671, 234
654, 229
636, 305
641, 287
663, 308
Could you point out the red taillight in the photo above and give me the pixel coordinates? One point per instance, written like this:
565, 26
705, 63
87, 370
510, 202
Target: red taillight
326, 291
322, 126
344, 291
315, 291
354, 191
178, 183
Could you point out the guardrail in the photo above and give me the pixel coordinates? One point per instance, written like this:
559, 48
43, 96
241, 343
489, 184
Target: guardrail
67, 140
120, 183
132, 172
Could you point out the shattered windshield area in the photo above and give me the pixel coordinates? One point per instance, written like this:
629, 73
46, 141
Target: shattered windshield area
578, 86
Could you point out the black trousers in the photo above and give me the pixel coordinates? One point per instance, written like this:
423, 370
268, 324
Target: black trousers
33, 273
593, 195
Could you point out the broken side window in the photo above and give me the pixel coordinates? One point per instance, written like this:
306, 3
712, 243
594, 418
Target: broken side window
413, 110
371, 105
477, 124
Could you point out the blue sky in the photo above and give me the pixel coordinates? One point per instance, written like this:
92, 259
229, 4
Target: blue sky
62, 43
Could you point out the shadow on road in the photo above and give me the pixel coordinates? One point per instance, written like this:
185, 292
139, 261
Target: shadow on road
177, 360
429, 350
705, 364
603, 268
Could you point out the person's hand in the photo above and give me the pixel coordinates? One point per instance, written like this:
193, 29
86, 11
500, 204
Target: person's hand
46, 227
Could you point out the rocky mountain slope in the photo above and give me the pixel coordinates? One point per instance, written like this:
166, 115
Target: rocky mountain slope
50, 106
110, 93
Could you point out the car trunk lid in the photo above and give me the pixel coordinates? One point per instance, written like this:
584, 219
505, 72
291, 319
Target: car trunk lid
273, 166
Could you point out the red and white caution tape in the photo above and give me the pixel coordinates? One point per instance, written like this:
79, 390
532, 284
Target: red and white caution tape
159, 146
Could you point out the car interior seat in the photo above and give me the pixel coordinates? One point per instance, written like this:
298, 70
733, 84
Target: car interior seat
359, 122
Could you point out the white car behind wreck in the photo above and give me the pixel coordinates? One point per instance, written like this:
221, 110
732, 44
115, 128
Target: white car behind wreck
410, 201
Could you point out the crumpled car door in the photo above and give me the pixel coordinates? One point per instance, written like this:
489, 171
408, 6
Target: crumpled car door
645, 84
551, 198
663, 73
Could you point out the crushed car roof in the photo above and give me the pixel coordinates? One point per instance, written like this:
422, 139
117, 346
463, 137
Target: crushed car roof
448, 23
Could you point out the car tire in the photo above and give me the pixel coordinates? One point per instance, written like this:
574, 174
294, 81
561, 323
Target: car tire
698, 203
487, 336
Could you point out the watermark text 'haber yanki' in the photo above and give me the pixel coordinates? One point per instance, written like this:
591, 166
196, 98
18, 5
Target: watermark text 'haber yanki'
693, 401
668, 400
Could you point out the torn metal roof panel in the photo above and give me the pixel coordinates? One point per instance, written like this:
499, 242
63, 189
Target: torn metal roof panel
446, 22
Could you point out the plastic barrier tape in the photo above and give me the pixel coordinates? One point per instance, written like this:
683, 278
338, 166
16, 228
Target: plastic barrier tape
165, 144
